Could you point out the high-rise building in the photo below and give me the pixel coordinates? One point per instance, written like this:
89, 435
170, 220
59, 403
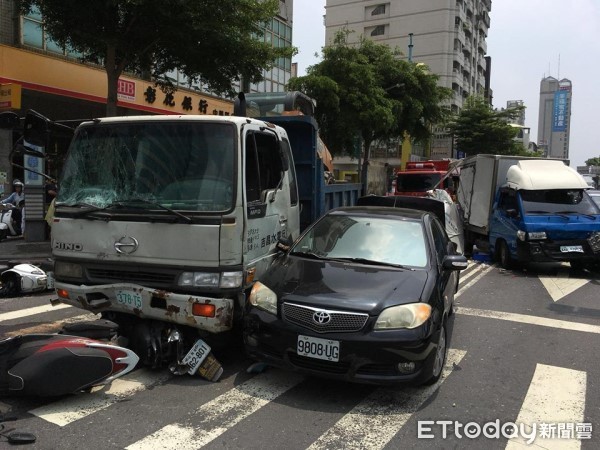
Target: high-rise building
449, 36
554, 121
514, 104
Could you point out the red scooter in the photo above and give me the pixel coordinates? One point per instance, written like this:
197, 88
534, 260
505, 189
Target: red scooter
54, 364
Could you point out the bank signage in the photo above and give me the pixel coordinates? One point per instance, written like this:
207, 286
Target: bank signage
126, 90
10, 96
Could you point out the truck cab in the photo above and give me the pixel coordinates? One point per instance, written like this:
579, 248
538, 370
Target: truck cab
418, 177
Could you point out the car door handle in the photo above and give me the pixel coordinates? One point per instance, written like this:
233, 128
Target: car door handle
282, 220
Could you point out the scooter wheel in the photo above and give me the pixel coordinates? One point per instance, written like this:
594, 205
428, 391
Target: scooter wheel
9, 286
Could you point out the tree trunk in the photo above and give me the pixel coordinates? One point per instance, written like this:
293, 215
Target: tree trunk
365, 167
112, 75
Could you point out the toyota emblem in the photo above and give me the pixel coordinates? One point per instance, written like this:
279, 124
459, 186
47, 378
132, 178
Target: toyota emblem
321, 317
126, 245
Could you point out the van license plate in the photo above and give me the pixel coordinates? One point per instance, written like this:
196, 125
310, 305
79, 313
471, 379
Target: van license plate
318, 348
571, 248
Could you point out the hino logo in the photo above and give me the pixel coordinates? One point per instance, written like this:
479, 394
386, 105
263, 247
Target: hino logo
321, 317
68, 246
126, 245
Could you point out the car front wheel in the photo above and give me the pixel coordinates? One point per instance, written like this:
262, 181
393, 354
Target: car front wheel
440, 357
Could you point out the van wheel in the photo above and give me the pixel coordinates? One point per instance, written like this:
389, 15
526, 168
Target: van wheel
503, 255
577, 265
440, 357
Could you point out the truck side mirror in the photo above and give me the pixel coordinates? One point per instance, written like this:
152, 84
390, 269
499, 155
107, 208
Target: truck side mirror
284, 244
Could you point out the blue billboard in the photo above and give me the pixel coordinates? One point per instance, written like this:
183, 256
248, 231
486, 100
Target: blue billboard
559, 116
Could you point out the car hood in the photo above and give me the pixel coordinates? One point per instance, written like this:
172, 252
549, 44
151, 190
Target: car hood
344, 286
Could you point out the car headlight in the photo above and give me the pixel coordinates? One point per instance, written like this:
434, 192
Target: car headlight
210, 279
67, 269
264, 298
403, 316
521, 235
535, 235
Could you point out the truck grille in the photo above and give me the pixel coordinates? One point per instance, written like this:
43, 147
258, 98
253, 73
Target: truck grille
131, 276
339, 321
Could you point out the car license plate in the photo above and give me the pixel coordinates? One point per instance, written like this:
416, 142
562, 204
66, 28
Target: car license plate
318, 348
129, 299
196, 355
571, 248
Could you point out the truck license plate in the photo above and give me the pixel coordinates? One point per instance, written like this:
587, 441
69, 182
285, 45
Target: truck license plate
571, 248
196, 355
129, 299
318, 348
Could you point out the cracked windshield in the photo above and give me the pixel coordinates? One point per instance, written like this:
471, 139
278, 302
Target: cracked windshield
182, 166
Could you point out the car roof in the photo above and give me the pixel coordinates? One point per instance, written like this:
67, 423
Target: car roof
400, 213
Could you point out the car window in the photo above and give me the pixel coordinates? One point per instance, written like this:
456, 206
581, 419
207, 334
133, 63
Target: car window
375, 238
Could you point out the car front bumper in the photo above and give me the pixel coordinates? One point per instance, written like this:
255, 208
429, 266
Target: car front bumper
365, 357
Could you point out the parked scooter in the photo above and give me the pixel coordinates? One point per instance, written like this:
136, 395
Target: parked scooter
23, 279
8, 226
55, 365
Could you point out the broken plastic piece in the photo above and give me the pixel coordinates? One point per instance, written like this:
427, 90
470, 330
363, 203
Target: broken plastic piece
18, 437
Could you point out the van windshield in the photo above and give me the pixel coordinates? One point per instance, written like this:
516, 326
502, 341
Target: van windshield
181, 165
555, 201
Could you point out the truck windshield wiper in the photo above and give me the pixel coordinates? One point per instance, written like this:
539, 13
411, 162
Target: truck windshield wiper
589, 216
373, 262
548, 212
150, 202
308, 254
122, 204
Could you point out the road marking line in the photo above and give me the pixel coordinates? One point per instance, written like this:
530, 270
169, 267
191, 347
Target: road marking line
222, 413
532, 320
377, 419
471, 273
31, 311
473, 281
71, 409
556, 395
561, 285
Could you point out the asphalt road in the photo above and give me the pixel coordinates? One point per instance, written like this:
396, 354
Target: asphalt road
524, 349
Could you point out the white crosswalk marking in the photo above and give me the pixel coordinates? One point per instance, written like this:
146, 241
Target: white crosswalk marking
375, 421
556, 396
480, 274
31, 311
64, 412
222, 413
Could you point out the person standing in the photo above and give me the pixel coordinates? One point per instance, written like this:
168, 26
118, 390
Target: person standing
17, 199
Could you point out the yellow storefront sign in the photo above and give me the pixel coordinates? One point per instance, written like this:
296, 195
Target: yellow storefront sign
10, 96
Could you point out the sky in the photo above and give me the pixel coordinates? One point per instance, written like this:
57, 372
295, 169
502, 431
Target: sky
527, 41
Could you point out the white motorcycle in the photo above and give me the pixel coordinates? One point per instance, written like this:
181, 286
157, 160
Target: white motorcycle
8, 225
24, 279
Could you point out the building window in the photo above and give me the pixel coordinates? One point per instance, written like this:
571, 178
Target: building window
379, 9
34, 35
379, 30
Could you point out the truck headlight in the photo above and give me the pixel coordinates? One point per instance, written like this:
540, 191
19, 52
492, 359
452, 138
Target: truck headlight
67, 269
264, 298
210, 279
522, 235
536, 235
403, 316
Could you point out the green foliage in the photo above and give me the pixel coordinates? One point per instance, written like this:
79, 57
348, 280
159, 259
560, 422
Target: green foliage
593, 161
368, 91
480, 129
216, 40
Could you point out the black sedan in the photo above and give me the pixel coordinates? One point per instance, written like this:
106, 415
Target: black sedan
363, 295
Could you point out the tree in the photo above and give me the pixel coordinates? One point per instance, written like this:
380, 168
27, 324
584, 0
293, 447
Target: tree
216, 40
480, 129
367, 91
593, 161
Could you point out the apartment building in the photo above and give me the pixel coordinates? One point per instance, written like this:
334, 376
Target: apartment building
449, 36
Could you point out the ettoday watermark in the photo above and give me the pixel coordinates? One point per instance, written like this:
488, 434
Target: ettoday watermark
431, 429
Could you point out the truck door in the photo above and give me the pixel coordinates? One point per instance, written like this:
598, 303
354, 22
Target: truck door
505, 220
267, 197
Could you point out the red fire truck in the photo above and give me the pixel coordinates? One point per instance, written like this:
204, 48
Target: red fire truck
419, 177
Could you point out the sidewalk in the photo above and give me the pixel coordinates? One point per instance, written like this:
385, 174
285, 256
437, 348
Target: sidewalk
14, 250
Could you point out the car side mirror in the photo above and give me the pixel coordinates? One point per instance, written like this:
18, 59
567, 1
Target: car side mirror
284, 244
455, 262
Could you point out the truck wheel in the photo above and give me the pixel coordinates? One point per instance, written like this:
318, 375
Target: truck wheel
503, 255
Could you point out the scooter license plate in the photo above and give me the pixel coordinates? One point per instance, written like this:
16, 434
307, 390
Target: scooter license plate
196, 355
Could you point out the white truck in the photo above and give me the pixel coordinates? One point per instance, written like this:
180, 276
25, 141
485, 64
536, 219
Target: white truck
528, 209
163, 223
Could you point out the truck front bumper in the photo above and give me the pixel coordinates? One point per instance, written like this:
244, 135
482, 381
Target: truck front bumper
584, 250
147, 303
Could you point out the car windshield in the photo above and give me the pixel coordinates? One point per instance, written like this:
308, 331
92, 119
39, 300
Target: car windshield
181, 165
377, 239
557, 201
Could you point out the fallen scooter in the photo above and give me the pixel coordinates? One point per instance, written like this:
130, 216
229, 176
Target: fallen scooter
23, 279
49, 365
